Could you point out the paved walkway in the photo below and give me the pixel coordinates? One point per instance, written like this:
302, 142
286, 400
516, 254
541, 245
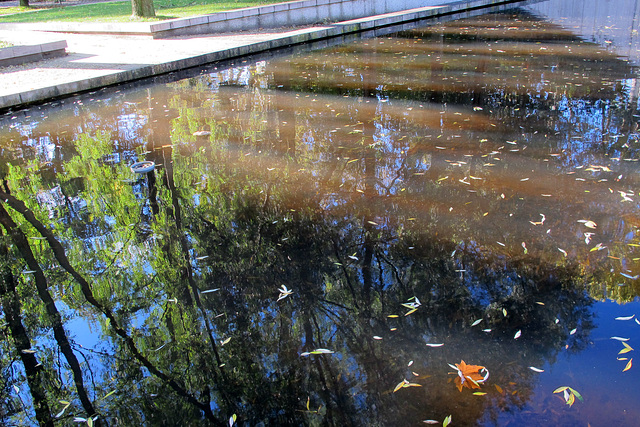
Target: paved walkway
96, 60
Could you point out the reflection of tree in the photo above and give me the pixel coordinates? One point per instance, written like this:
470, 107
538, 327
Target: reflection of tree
357, 204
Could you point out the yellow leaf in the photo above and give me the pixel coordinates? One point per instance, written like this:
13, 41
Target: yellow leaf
399, 386
479, 393
628, 366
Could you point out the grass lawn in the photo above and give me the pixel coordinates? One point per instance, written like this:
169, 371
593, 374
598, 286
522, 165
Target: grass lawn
120, 11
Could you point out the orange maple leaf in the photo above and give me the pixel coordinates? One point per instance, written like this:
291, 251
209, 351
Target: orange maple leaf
469, 375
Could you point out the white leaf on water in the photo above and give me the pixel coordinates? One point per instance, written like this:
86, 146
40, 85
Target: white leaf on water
588, 223
626, 317
486, 330
517, 335
434, 345
210, 290
375, 337
573, 331
476, 322
534, 369
317, 351
620, 339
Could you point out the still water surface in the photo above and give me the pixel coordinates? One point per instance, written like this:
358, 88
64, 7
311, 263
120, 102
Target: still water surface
325, 235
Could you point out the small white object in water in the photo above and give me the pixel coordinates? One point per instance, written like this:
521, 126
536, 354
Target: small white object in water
143, 167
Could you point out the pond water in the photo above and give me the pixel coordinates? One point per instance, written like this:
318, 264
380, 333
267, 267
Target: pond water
326, 236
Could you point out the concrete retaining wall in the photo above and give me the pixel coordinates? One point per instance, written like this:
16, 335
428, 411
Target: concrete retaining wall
287, 14
17, 55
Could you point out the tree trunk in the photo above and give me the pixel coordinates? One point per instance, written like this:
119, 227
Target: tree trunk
140, 8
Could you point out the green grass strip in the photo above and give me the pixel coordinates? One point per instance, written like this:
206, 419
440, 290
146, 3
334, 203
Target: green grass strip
120, 11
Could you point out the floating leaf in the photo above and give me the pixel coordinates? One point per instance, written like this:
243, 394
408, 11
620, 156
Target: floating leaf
626, 368
587, 223
405, 384
569, 394
573, 331
392, 316
446, 421
517, 335
434, 345
431, 422
375, 337
469, 376
479, 393
284, 292
322, 351
576, 394
106, 395
317, 351
534, 369
477, 322
504, 312
626, 318
623, 351
620, 339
